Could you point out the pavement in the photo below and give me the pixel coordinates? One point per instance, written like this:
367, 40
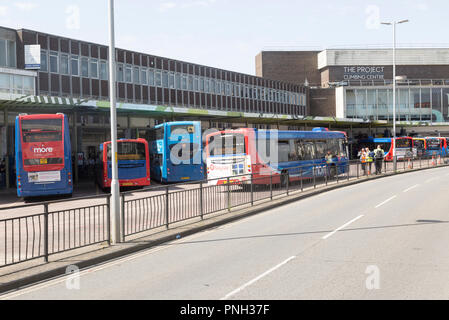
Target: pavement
12, 279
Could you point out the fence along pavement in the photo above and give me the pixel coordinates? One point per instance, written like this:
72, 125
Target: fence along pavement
55, 228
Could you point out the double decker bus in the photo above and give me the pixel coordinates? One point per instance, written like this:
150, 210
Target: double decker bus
43, 155
404, 147
436, 146
269, 154
419, 147
176, 152
133, 163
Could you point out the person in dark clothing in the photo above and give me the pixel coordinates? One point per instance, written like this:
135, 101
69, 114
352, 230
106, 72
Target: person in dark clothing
379, 154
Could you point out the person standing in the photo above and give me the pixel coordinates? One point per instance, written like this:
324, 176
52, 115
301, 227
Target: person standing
369, 159
379, 154
363, 160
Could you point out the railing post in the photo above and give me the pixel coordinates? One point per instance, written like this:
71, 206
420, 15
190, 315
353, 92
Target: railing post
271, 185
166, 207
45, 231
336, 171
108, 207
252, 195
229, 194
357, 169
327, 173
314, 178
201, 201
288, 180
300, 173
123, 219
348, 167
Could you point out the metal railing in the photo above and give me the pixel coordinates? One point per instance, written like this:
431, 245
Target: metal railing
54, 227
39, 230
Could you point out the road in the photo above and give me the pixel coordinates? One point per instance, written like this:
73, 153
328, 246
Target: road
383, 239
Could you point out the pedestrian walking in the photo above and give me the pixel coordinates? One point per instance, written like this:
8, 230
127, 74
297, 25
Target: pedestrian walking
363, 160
379, 155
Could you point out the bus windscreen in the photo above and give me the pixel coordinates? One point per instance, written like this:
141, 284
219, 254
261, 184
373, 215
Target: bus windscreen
129, 151
419, 144
403, 143
41, 130
184, 151
433, 144
227, 144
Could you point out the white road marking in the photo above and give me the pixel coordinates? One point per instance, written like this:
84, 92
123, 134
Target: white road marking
257, 278
415, 186
432, 179
381, 204
343, 226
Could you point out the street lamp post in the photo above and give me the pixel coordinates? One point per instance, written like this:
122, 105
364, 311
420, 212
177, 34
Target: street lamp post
115, 187
394, 23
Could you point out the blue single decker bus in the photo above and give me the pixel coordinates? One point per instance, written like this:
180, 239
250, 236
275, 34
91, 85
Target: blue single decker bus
176, 152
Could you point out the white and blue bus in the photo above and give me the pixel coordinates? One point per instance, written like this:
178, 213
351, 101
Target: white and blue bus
176, 152
265, 153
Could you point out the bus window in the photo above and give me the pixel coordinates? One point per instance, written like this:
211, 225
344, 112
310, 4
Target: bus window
309, 150
321, 148
183, 151
128, 151
403, 143
42, 130
182, 128
229, 144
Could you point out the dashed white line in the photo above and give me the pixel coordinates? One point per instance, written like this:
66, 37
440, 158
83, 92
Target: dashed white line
343, 226
389, 199
432, 179
257, 278
408, 189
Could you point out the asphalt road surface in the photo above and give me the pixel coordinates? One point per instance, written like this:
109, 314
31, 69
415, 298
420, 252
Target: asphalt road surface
383, 239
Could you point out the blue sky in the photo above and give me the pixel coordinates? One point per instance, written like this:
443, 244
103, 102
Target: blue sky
229, 33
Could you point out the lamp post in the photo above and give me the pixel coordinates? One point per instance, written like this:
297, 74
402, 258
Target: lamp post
394, 23
115, 187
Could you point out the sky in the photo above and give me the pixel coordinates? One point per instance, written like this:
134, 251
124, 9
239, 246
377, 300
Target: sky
228, 34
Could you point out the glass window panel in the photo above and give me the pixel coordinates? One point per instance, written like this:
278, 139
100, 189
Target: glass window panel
136, 75
202, 84
151, 77
195, 84
190, 83
74, 65
85, 67
17, 84
178, 81
4, 83
2, 53
437, 115
371, 110
212, 86
143, 76
44, 64
171, 80
103, 70
206, 85
426, 110
94, 68
415, 111
165, 79
28, 84
11, 54
120, 74
54, 62
157, 78
64, 62
128, 74
184, 82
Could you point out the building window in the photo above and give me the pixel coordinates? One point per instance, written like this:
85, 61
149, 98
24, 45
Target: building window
3, 54
143, 76
195, 84
136, 75
75, 66
53, 62
165, 79
158, 79
85, 67
103, 70
206, 85
64, 64
151, 78
44, 63
184, 82
11, 53
120, 72
212, 86
202, 84
178, 81
128, 74
4, 83
94, 68
171, 80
